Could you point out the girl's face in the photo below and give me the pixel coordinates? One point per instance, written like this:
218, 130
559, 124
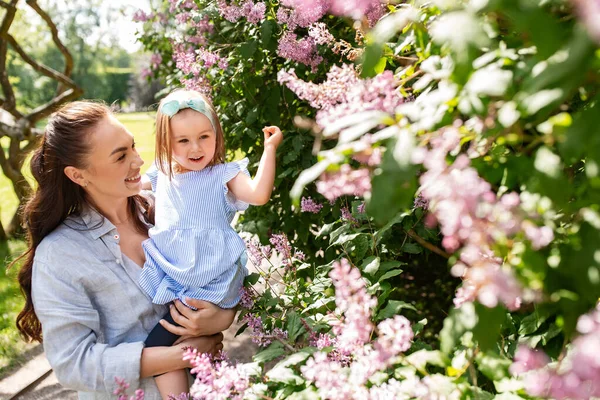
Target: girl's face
113, 169
193, 140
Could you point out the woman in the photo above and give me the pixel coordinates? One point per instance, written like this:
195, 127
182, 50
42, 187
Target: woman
86, 223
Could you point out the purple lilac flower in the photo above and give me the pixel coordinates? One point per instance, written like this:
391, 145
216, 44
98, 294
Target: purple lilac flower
307, 204
254, 12
246, 298
301, 13
320, 34
302, 50
282, 246
259, 336
361, 208
141, 16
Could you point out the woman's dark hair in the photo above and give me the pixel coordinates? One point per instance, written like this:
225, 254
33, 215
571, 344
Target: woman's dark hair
65, 143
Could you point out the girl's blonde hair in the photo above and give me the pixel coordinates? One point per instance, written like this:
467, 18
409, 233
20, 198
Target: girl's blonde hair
164, 149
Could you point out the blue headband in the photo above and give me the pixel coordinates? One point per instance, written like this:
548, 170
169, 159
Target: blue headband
172, 107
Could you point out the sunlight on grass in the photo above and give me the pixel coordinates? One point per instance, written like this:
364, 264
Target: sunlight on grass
140, 124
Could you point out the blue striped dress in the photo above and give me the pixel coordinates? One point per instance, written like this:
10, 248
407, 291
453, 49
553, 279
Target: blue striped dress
193, 251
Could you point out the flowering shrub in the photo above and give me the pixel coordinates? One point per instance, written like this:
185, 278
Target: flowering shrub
435, 229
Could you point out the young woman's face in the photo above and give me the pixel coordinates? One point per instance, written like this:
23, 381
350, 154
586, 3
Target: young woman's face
193, 140
113, 164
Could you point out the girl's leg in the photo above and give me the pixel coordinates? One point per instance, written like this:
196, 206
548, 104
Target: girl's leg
172, 384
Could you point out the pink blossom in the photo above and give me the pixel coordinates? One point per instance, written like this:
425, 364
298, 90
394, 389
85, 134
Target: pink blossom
395, 335
320, 34
121, 391
589, 13
145, 73
471, 217
579, 375
216, 379
344, 93
307, 204
155, 60
527, 359
352, 300
343, 182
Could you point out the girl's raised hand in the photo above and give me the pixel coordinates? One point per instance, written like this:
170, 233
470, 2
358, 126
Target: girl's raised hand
273, 136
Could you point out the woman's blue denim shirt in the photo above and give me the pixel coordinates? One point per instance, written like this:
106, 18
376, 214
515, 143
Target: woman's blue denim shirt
94, 315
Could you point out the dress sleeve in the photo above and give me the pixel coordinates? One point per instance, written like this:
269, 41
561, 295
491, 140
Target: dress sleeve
231, 171
152, 174
69, 325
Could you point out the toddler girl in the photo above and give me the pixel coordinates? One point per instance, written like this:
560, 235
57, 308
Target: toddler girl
193, 252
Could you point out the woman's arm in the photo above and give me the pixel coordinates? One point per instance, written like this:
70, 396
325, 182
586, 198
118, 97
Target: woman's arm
257, 191
69, 325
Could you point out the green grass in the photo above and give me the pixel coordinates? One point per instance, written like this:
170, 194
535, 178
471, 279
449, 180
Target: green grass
11, 301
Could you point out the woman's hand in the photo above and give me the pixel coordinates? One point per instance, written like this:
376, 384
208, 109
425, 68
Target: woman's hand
273, 136
206, 320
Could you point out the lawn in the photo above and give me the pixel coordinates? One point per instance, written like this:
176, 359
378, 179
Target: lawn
11, 302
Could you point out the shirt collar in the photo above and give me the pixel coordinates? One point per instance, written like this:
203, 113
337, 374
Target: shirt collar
97, 224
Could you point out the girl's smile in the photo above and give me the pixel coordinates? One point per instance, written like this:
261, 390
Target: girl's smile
193, 140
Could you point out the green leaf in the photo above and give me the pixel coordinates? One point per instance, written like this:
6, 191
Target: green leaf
392, 308
412, 248
456, 324
489, 322
532, 322
284, 375
252, 278
393, 189
294, 326
494, 366
370, 265
390, 274
420, 359
247, 49
274, 350
396, 220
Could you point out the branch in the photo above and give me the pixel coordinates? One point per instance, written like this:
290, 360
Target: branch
426, 244
54, 31
48, 108
43, 69
9, 103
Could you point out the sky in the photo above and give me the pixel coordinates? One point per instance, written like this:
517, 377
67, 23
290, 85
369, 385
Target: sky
127, 27
122, 22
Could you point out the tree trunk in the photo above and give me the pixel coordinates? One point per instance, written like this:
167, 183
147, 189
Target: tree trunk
3, 237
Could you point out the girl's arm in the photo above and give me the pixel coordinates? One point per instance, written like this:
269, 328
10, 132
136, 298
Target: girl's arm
257, 191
